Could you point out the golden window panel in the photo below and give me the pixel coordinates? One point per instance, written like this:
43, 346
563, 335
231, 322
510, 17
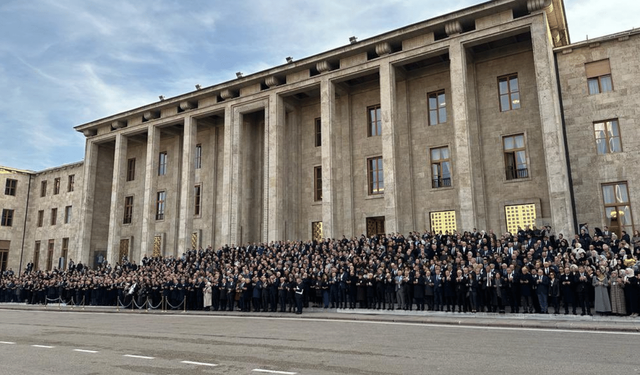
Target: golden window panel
124, 250
443, 221
157, 246
522, 215
316, 230
194, 240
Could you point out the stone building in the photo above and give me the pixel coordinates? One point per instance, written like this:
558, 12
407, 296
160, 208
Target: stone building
481, 118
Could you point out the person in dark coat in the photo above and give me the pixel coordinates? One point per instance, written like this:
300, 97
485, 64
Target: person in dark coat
418, 291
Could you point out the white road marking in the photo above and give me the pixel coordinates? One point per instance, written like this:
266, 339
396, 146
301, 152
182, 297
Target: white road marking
199, 363
7, 342
137, 356
85, 351
274, 372
43, 346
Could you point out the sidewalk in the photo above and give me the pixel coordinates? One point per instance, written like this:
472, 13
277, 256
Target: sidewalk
527, 321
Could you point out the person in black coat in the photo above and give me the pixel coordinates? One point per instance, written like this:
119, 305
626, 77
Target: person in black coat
418, 291
554, 292
582, 290
298, 290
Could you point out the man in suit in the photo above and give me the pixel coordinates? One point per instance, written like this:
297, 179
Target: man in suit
543, 291
582, 290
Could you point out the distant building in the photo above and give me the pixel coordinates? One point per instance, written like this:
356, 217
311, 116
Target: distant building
487, 117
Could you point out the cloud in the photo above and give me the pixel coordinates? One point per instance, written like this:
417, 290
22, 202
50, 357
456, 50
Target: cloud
71, 62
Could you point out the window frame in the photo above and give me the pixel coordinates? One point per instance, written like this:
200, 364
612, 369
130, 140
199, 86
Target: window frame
317, 183
67, 214
436, 110
131, 169
11, 187
54, 216
318, 131
440, 181
616, 205
372, 167
56, 186
607, 138
71, 180
515, 174
162, 163
127, 216
64, 252
598, 78
7, 217
197, 200
43, 188
40, 218
377, 120
198, 157
509, 93
161, 200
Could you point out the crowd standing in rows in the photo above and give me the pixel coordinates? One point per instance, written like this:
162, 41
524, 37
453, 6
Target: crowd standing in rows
531, 271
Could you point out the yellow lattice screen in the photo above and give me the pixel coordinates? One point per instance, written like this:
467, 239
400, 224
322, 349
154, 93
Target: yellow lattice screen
157, 246
124, 250
194, 240
520, 216
316, 230
443, 221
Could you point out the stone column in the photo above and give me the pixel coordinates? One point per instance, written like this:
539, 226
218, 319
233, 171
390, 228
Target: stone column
274, 127
329, 162
462, 149
187, 182
83, 249
117, 196
552, 132
149, 199
389, 144
230, 214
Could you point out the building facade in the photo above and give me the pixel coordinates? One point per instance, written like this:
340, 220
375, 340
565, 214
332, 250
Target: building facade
484, 118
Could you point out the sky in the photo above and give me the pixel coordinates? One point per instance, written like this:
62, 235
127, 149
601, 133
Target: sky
64, 63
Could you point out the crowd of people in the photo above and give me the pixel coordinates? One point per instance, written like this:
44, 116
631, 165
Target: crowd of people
531, 271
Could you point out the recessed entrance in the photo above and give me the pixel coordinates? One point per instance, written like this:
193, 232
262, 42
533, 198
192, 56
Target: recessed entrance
375, 226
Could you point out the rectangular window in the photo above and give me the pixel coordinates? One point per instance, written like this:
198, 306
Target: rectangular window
56, 186
128, 210
617, 207
374, 116
67, 214
54, 216
376, 175
4, 254
316, 231
196, 200
440, 167
71, 182
317, 184
10, 187
50, 255
43, 188
162, 164
40, 218
36, 256
509, 92
318, 132
160, 202
7, 218
64, 253
198, 156
443, 221
437, 107
599, 76
607, 136
520, 216
131, 169
515, 157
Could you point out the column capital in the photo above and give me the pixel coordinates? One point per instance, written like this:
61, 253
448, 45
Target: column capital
383, 48
453, 27
534, 5
323, 66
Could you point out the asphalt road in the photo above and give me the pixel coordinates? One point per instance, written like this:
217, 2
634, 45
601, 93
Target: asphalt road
53, 342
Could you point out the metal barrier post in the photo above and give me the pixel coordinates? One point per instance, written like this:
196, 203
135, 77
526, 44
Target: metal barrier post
184, 307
